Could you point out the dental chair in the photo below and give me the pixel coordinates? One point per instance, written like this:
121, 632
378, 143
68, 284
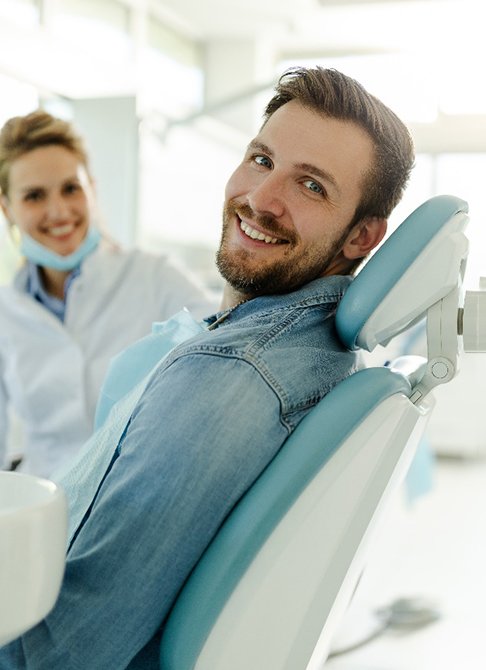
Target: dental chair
33, 532
270, 590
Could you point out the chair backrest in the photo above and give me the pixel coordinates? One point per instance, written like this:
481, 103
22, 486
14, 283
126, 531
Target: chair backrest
271, 587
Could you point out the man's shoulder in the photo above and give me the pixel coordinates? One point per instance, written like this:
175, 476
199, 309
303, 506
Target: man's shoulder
291, 343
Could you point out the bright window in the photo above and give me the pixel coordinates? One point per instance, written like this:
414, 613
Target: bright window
100, 27
24, 13
170, 74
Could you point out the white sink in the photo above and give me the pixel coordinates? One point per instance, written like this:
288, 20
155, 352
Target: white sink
33, 531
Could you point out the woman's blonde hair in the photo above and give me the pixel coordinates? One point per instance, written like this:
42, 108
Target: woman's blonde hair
22, 134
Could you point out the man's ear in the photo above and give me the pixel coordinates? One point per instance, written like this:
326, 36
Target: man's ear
364, 237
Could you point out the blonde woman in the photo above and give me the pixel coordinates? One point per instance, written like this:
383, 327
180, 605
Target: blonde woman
76, 301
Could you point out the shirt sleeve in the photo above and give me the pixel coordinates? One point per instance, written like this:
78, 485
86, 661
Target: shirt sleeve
201, 434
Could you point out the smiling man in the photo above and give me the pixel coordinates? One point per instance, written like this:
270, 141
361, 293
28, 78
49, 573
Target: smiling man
308, 202
290, 205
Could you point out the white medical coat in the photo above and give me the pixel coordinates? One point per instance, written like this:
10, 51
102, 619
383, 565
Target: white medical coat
51, 372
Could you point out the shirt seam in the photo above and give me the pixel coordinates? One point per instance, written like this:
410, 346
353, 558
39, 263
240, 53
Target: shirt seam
287, 408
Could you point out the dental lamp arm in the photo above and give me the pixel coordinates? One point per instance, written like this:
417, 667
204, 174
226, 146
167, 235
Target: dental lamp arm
446, 323
442, 345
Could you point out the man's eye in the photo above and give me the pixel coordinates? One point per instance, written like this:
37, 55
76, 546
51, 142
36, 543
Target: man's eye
313, 186
263, 160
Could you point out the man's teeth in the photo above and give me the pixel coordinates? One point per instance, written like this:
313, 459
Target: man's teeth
256, 235
59, 231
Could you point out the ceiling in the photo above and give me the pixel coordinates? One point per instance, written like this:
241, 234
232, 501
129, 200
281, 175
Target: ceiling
310, 27
445, 37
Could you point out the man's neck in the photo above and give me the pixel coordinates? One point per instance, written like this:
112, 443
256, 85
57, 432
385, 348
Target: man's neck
232, 297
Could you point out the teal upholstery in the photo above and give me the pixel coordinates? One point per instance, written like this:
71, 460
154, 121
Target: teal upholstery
389, 263
307, 450
302, 456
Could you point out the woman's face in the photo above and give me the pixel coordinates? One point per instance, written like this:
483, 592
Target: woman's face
50, 198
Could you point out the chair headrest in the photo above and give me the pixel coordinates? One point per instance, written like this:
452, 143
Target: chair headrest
420, 263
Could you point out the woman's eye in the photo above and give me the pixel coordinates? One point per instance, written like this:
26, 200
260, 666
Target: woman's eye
33, 196
263, 160
313, 186
71, 188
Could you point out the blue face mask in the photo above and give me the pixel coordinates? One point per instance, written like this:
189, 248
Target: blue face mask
41, 255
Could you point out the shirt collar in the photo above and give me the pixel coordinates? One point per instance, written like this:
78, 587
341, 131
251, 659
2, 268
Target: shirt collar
35, 288
319, 291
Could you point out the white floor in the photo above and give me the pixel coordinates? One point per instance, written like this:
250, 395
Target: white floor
435, 549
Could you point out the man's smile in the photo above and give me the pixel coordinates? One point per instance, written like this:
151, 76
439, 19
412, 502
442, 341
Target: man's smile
255, 234
263, 229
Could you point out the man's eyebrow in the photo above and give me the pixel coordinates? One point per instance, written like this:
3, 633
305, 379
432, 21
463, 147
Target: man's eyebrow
260, 146
319, 172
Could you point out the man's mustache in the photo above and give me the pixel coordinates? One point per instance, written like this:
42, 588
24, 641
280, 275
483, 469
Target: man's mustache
265, 221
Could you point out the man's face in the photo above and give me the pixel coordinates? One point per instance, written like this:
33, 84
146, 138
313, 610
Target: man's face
289, 204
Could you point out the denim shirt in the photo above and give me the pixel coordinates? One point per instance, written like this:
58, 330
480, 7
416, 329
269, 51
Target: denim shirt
212, 416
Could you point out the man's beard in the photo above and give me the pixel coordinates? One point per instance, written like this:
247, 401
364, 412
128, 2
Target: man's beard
288, 273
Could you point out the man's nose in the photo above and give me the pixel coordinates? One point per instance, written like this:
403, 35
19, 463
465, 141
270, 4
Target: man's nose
268, 196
